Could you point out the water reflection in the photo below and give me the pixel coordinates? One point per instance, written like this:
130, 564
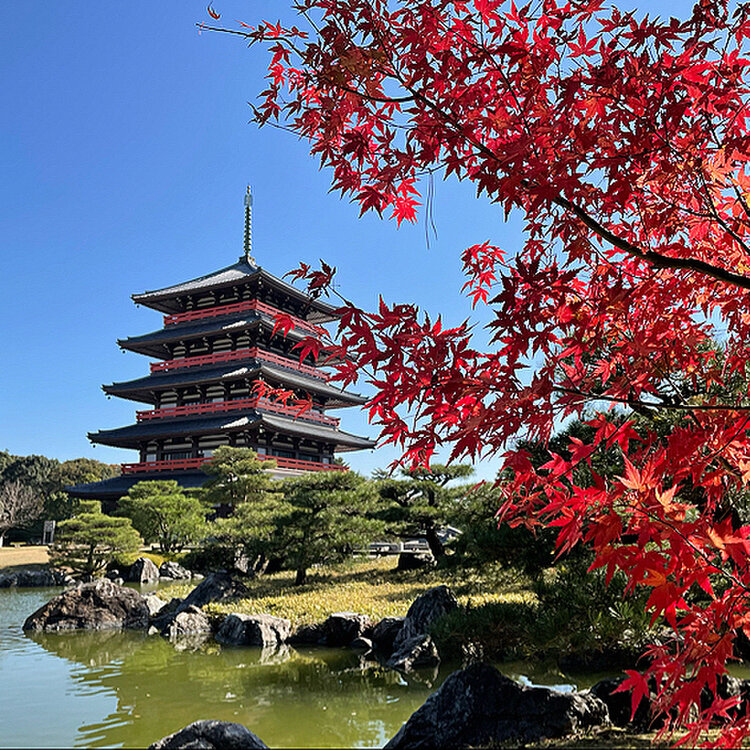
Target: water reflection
114, 689
305, 698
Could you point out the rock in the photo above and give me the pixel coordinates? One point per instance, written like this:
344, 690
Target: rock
419, 651
480, 707
166, 613
308, 635
33, 579
214, 588
143, 570
385, 632
174, 570
210, 735
154, 604
341, 628
362, 644
253, 630
99, 605
191, 621
113, 574
415, 560
425, 609
119, 581
619, 704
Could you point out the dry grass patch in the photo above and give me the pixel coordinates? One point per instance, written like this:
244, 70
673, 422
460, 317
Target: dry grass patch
370, 587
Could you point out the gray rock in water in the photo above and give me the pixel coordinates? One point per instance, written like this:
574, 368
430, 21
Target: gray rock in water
415, 560
480, 707
253, 630
154, 604
214, 588
419, 651
385, 632
100, 605
210, 735
174, 570
341, 628
191, 621
308, 635
425, 609
143, 570
33, 579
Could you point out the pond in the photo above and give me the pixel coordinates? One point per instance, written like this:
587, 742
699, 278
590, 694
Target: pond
126, 689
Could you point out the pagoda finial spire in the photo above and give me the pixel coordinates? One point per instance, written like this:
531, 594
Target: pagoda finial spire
249, 227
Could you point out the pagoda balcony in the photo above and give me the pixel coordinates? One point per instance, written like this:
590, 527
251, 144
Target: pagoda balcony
214, 312
257, 402
253, 352
194, 463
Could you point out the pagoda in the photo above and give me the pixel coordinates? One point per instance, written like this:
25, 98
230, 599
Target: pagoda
218, 340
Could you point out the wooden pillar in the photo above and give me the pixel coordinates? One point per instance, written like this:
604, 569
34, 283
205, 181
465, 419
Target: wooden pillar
194, 447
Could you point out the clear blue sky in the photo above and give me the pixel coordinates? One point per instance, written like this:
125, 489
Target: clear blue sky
125, 149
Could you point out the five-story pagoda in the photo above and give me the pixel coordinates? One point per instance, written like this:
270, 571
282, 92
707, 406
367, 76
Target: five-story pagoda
218, 340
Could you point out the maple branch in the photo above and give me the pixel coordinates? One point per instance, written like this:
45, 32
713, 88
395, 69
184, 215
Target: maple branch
638, 403
650, 256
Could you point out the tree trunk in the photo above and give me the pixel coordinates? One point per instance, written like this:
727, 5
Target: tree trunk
301, 576
434, 543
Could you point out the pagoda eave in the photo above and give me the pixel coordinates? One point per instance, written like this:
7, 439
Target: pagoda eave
144, 389
252, 420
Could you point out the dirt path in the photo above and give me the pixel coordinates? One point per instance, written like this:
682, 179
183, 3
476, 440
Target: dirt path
23, 557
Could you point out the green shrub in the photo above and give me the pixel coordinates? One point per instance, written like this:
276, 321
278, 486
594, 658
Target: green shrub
497, 630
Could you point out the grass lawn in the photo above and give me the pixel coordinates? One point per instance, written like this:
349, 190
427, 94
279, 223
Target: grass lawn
28, 558
370, 587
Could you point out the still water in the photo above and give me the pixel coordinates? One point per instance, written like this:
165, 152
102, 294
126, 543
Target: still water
113, 689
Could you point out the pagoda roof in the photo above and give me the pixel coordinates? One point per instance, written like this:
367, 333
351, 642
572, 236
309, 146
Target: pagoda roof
167, 298
154, 344
143, 389
251, 419
116, 487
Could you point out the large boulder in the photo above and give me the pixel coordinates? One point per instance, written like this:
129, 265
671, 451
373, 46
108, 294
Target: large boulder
210, 735
425, 609
341, 628
415, 653
480, 707
191, 621
174, 570
143, 570
215, 587
253, 630
100, 605
385, 632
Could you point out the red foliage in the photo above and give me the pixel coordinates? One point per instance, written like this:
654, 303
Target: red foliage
623, 143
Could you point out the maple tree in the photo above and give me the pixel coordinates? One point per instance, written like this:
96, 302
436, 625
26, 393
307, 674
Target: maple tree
622, 142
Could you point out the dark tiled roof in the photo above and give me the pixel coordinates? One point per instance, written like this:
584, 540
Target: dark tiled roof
141, 389
344, 441
128, 437
154, 344
112, 489
241, 420
238, 273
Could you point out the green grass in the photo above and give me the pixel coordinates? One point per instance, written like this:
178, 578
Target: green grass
371, 587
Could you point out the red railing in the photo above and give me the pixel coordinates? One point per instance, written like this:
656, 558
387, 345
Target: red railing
192, 463
255, 352
257, 402
214, 312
